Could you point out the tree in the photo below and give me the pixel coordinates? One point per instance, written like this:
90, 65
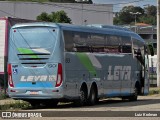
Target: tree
44, 17
151, 10
125, 17
148, 20
148, 15
58, 17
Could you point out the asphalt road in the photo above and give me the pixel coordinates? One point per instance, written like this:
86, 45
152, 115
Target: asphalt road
110, 109
146, 108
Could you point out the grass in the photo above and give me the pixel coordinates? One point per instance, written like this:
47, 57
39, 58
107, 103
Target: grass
153, 91
18, 104
15, 105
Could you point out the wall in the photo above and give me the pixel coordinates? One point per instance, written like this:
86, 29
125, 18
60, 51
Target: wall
80, 14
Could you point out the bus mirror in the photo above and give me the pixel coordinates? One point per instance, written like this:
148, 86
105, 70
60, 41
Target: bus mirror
151, 49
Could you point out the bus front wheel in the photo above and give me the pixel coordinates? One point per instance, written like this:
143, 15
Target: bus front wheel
134, 95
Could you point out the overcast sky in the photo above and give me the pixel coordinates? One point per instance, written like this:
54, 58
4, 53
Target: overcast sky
119, 6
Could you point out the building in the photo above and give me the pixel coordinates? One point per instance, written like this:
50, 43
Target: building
147, 32
80, 14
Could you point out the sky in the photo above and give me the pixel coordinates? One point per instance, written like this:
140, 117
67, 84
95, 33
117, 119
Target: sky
117, 6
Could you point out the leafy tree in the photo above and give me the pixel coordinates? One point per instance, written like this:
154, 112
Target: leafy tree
125, 17
44, 17
151, 10
148, 15
148, 20
58, 17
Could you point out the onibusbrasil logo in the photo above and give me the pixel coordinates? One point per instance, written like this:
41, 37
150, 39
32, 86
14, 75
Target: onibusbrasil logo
19, 115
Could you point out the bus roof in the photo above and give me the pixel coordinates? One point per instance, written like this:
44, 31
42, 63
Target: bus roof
103, 30
109, 26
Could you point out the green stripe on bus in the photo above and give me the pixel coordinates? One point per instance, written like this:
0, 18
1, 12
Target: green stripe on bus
87, 63
27, 51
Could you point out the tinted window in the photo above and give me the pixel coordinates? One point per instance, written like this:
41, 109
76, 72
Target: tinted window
94, 42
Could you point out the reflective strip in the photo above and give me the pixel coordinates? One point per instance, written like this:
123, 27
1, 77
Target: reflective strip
94, 61
84, 59
27, 51
41, 50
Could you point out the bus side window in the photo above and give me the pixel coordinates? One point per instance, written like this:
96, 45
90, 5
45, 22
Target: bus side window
68, 40
113, 44
138, 47
126, 44
80, 44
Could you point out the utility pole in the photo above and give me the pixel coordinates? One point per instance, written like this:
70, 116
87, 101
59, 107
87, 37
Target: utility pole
135, 15
158, 43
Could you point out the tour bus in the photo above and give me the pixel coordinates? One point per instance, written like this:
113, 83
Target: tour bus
52, 62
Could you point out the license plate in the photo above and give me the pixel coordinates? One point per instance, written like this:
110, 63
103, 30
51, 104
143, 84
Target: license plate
33, 93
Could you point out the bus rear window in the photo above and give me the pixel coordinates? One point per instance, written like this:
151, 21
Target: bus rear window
34, 37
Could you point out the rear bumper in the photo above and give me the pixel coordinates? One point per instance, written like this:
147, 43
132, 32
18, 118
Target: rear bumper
39, 93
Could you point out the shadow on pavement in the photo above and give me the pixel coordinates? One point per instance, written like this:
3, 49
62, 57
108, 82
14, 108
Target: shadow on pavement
103, 103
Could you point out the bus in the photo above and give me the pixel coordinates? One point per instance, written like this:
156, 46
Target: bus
52, 62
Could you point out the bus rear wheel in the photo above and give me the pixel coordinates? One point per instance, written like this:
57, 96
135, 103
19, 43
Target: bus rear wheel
92, 97
82, 99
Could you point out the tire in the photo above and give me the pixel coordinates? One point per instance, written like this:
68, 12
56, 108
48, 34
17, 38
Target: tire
82, 99
92, 97
135, 95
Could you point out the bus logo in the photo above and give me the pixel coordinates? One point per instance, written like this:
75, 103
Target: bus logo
6, 114
119, 73
38, 78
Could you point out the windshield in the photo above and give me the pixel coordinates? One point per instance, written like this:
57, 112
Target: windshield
34, 37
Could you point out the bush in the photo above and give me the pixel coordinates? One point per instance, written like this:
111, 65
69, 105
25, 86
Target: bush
16, 105
3, 95
154, 91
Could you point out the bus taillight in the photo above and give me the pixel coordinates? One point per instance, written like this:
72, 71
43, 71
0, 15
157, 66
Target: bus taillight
59, 75
10, 76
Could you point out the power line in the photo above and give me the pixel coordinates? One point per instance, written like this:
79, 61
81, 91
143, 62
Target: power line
76, 8
7, 13
72, 8
88, 10
62, 6
118, 7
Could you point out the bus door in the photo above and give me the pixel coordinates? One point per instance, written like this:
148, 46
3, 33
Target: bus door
146, 74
